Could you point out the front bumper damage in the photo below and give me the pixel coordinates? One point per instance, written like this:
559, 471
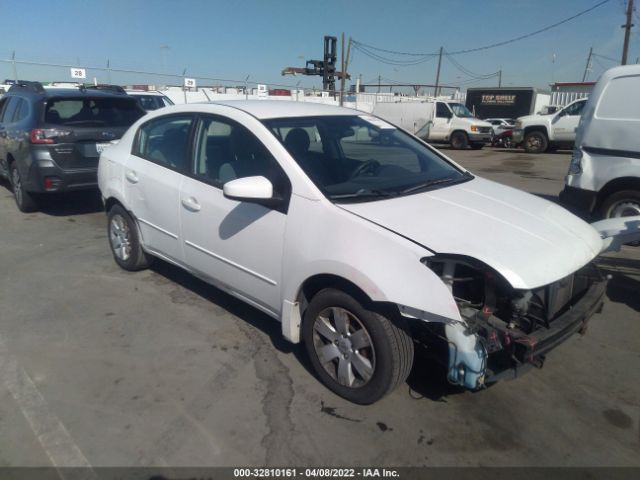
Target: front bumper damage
505, 332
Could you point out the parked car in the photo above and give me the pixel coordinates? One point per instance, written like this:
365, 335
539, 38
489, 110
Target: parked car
501, 124
358, 247
604, 174
50, 139
503, 139
150, 100
539, 132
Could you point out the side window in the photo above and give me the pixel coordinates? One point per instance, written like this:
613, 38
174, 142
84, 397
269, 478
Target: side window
360, 145
9, 109
3, 104
21, 112
442, 111
225, 150
575, 109
165, 141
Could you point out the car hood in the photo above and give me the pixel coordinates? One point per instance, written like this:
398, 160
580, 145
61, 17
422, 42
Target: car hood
533, 118
530, 241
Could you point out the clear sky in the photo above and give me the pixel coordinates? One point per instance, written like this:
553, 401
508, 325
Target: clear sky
233, 39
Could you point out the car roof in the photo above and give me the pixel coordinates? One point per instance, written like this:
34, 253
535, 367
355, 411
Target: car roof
67, 92
145, 92
264, 109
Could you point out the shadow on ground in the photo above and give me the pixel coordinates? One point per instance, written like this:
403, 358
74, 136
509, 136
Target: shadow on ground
71, 203
624, 285
427, 378
65, 204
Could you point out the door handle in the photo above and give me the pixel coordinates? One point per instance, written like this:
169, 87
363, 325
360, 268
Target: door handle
132, 177
191, 204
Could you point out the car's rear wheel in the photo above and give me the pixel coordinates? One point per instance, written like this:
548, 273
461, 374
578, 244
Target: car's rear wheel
358, 353
535, 142
625, 203
124, 241
24, 200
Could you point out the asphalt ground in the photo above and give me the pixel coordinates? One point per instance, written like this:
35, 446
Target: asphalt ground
103, 367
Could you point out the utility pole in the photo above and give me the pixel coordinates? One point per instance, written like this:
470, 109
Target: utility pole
438, 73
627, 32
586, 67
499, 78
379, 78
342, 68
345, 68
13, 64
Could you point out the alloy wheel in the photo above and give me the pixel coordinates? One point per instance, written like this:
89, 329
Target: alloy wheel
344, 347
120, 237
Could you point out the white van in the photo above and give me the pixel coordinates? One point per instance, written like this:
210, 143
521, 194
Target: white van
438, 122
604, 174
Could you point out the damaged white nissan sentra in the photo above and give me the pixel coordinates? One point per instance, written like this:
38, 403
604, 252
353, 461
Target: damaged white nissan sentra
359, 238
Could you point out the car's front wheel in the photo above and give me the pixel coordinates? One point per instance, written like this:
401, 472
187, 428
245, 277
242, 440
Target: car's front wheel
124, 241
358, 353
24, 200
535, 142
459, 140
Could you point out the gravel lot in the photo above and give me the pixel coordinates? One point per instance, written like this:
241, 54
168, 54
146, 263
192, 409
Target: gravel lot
103, 367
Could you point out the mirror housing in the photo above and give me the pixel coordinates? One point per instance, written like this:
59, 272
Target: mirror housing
253, 190
248, 188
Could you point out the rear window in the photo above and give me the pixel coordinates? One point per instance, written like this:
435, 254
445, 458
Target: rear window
114, 112
151, 102
621, 99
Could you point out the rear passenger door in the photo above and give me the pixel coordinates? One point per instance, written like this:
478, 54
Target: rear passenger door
153, 175
238, 244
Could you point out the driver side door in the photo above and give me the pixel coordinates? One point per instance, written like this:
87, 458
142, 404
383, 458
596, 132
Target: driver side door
441, 122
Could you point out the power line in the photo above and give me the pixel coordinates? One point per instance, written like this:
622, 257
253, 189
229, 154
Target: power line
389, 61
493, 45
605, 57
468, 72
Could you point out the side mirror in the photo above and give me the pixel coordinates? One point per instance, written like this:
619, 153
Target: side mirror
248, 189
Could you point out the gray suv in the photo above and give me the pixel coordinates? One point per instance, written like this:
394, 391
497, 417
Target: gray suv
51, 139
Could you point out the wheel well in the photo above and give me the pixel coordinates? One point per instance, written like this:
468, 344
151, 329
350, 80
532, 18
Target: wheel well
536, 128
615, 185
458, 131
313, 285
110, 202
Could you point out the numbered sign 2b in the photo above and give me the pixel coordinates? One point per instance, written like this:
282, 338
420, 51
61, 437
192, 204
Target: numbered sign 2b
78, 73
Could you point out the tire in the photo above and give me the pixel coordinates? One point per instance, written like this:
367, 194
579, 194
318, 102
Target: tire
361, 372
459, 140
507, 142
24, 200
476, 146
623, 203
535, 142
124, 243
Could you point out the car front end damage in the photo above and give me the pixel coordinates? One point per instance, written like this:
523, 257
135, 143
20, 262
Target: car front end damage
506, 331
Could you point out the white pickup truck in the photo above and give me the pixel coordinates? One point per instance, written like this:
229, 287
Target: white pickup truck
538, 133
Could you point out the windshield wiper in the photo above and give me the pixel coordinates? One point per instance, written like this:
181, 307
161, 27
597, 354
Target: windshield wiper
431, 183
363, 193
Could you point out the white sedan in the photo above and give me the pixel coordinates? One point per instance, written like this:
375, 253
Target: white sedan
360, 248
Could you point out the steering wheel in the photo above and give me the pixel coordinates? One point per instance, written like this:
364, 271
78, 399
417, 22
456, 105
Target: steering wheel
369, 165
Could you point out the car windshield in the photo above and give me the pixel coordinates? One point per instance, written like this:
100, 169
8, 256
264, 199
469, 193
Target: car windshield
103, 111
359, 158
460, 110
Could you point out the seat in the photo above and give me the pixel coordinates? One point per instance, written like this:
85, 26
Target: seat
297, 142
